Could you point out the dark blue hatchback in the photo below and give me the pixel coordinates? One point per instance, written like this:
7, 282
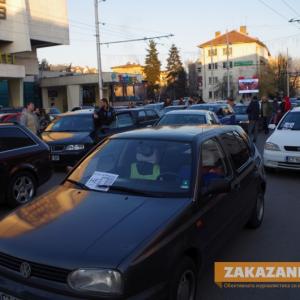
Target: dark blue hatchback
224, 111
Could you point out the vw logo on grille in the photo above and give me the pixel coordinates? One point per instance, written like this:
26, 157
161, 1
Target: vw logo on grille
25, 270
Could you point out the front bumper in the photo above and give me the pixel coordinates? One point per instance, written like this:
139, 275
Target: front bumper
66, 158
29, 292
278, 160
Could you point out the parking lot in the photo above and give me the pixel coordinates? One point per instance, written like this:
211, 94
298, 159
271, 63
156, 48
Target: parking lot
276, 240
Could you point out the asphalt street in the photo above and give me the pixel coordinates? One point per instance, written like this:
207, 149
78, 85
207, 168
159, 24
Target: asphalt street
276, 240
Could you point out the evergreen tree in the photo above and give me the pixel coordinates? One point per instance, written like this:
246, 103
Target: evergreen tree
176, 74
152, 69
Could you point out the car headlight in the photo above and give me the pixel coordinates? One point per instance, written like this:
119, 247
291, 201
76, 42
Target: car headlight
271, 147
96, 280
74, 147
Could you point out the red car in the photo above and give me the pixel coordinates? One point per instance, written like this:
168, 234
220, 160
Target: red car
11, 117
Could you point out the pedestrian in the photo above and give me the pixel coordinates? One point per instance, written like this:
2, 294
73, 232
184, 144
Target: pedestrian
266, 113
253, 115
181, 101
231, 102
287, 104
29, 118
200, 101
131, 105
103, 116
167, 102
276, 112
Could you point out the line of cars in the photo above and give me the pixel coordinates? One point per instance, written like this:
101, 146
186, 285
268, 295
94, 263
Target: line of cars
141, 212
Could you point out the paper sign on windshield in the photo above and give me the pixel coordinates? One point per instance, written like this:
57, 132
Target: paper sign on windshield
101, 181
288, 125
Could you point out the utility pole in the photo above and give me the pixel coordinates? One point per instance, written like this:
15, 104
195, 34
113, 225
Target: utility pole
228, 83
97, 23
212, 72
287, 73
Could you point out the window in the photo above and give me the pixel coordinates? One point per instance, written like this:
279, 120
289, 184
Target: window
151, 115
123, 120
14, 138
225, 51
209, 66
225, 65
210, 95
213, 52
213, 80
141, 116
216, 66
213, 164
216, 94
237, 148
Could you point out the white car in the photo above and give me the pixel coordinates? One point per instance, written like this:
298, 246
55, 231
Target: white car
282, 149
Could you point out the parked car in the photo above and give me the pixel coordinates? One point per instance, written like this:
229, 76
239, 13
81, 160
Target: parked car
11, 117
52, 112
141, 229
24, 164
282, 149
171, 108
82, 107
9, 110
224, 112
188, 117
241, 116
295, 102
71, 135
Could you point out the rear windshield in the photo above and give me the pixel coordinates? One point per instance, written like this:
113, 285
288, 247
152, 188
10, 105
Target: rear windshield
182, 120
73, 123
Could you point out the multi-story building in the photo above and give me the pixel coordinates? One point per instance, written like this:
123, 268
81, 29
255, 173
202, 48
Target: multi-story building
26, 26
232, 55
195, 78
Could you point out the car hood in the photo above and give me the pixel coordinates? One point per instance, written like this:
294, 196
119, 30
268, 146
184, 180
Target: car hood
66, 137
285, 138
71, 228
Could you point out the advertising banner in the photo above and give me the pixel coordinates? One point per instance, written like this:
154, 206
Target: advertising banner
250, 85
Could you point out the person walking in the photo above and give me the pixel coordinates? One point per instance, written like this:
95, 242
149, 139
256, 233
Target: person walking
276, 112
253, 115
29, 118
266, 113
104, 116
287, 104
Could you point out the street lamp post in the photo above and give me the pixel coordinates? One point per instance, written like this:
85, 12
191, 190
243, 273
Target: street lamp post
97, 23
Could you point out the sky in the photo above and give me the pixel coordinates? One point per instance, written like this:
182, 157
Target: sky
191, 21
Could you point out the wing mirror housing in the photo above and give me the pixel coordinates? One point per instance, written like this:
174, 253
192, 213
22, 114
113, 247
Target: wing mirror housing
217, 186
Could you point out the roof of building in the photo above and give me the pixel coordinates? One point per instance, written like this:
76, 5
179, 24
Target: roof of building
128, 65
234, 37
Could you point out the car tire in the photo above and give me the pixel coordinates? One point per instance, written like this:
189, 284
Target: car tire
22, 188
257, 214
183, 284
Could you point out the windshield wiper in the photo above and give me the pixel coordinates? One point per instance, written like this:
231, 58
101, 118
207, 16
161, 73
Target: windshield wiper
79, 184
128, 190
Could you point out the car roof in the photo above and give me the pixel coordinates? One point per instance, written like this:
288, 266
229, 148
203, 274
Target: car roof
187, 112
177, 133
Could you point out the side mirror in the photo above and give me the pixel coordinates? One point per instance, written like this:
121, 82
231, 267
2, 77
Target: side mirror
272, 126
216, 186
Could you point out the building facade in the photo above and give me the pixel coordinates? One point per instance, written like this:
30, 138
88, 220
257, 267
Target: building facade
137, 69
195, 79
26, 26
231, 55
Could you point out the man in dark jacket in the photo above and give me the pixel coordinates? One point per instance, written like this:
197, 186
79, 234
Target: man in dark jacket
104, 116
253, 115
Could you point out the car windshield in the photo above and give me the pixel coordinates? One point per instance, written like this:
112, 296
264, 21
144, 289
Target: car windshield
154, 167
240, 110
290, 122
182, 120
72, 123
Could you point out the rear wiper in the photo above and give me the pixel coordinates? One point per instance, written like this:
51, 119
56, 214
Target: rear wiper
79, 184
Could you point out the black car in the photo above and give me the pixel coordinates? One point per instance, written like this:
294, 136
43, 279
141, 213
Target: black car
136, 219
24, 164
241, 116
72, 135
